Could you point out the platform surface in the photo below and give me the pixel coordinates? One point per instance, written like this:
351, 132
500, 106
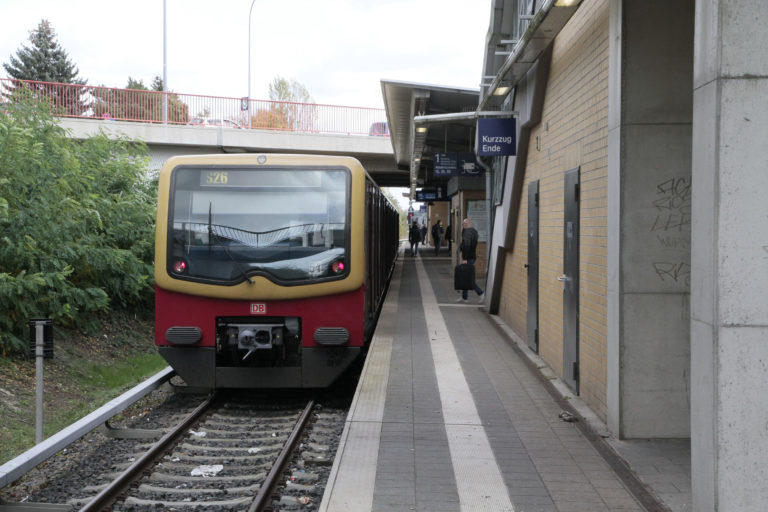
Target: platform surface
449, 417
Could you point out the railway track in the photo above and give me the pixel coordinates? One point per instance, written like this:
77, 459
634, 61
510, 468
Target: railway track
229, 454
231, 460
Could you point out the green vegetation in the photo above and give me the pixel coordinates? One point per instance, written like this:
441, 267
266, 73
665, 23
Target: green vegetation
76, 224
293, 107
403, 228
86, 372
129, 105
46, 61
121, 373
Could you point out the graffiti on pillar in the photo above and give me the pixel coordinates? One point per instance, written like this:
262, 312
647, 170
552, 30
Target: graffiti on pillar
676, 272
673, 205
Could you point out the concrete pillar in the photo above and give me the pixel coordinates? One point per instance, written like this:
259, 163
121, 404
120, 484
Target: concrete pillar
649, 184
729, 275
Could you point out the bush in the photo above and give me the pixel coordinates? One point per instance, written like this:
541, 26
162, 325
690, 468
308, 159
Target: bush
76, 224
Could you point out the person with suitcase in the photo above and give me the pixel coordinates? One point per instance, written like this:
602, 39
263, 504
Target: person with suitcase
468, 249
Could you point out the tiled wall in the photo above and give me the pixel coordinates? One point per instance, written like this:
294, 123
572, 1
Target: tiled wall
573, 133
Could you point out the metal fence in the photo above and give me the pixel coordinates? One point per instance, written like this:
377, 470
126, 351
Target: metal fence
85, 101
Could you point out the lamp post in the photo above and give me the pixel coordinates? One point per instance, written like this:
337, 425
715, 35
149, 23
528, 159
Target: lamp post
165, 66
248, 99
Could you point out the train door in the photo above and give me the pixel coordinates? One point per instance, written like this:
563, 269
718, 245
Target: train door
532, 316
570, 280
370, 272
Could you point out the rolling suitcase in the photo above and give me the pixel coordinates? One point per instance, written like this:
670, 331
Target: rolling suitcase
464, 277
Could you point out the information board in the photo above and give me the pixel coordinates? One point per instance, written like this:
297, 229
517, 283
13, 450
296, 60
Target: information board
445, 164
478, 213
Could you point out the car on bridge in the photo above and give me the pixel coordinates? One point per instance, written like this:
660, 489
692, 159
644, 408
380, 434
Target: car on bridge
212, 121
379, 129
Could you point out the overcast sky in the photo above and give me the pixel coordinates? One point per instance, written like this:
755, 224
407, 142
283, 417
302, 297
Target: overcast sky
339, 49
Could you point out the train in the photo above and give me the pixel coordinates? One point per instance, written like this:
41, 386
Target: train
270, 269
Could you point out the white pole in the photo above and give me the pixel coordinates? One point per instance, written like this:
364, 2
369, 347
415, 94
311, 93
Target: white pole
39, 343
248, 99
165, 65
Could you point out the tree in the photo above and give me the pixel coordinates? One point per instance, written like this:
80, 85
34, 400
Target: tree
77, 224
293, 107
282, 89
403, 224
144, 106
46, 61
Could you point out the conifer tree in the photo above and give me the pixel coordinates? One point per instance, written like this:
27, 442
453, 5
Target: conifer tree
46, 61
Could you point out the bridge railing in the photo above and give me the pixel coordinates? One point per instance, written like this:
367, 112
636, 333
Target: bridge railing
108, 103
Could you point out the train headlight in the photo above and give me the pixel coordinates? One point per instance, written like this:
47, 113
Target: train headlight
337, 267
179, 266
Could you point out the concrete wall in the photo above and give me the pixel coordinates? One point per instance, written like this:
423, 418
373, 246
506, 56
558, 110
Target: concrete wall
729, 316
254, 140
649, 218
164, 141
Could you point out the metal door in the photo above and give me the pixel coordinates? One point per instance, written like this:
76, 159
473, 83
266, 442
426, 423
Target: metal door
570, 280
532, 317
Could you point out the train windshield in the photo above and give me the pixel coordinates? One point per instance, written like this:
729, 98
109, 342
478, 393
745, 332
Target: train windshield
289, 225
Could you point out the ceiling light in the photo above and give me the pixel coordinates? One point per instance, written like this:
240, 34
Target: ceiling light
565, 3
421, 129
501, 91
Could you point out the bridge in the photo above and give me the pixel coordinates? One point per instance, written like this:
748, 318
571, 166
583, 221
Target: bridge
174, 124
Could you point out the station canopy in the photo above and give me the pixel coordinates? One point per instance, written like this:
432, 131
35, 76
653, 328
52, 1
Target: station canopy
415, 145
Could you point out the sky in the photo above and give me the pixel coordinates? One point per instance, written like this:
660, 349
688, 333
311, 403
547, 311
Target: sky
338, 49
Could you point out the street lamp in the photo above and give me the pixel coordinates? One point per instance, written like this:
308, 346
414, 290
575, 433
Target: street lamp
248, 99
165, 66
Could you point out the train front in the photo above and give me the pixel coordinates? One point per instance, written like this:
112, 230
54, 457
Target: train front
259, 269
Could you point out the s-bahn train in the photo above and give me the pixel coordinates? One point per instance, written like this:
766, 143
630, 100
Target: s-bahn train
269, 269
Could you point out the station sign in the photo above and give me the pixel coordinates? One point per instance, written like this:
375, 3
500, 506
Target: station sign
456, 164
445, 164
432, 194
468, 165
496, 137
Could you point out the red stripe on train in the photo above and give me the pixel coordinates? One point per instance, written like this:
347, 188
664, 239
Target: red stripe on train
177, 309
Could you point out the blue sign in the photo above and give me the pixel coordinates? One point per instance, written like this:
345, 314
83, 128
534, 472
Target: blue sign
444, 164
432, 194
468, 165
496, 137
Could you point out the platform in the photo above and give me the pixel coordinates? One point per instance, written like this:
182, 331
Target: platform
451, 415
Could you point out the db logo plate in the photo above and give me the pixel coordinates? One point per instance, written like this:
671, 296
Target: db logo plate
258, 309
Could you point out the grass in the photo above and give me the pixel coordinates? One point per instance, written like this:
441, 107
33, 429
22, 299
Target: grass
86, 372
122, 373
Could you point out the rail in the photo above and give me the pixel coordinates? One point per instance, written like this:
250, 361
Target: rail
109, 493
21, 465
142, 106
275, 474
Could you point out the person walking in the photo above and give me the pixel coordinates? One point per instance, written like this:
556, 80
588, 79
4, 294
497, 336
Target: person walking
449, 236
468, 250
414, 237
436, 236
